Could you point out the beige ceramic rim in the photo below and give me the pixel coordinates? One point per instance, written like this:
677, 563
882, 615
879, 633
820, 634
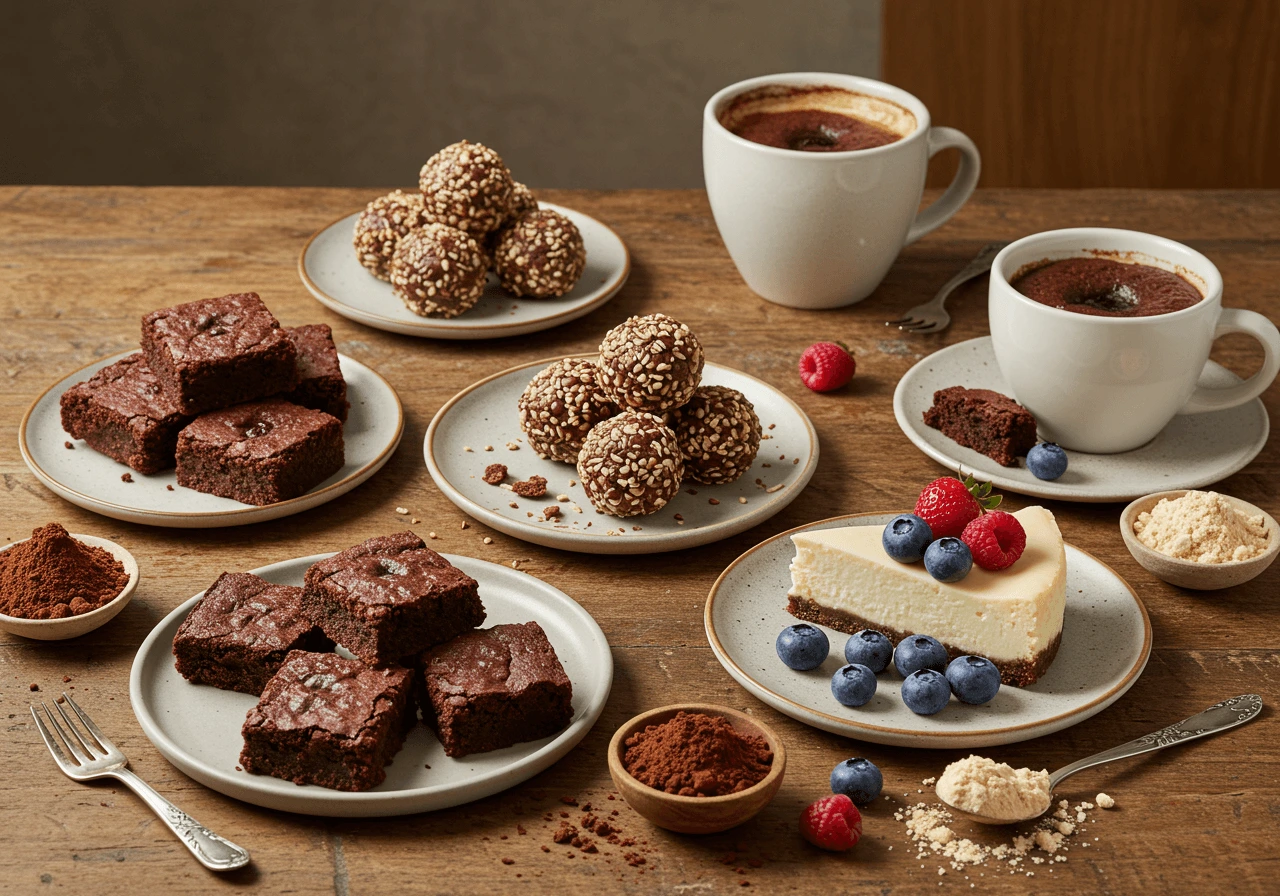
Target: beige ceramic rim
107, 611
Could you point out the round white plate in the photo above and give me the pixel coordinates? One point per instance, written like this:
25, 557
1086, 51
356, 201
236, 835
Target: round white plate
1106, 639
92, 480
197, 727
330, 270
1193, 450
484, 414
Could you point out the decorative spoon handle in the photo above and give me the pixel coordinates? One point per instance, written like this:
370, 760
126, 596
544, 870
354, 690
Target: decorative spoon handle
1219, 717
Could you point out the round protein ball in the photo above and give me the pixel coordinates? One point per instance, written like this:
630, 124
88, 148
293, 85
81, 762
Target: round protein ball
559, 407
382, 224
522, 200
438, 271
719, 434
652, 363
630, 465
540, 255
467, 186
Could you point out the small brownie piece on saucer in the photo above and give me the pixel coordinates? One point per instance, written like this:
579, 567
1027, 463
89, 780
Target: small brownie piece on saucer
495, 687
218, 352
320, 383
986, 421
327, 720
240, 632
261, 452
123, 412
390, 597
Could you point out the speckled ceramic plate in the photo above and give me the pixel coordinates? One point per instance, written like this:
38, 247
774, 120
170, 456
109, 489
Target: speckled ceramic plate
330, 270
1194, 450
197, 727
484, 415
92, 481
1106, 640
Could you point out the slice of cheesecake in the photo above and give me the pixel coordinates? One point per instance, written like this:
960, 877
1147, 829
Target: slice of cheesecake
843, 579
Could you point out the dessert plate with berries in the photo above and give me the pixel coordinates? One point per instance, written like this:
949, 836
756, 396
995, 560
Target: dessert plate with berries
331, 271
1194, 450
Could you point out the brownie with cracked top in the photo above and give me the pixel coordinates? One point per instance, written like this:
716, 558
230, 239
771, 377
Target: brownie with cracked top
240, 632
122, 411
261, 452
320, 383
327, 720
495, 687
390, 597
218, 352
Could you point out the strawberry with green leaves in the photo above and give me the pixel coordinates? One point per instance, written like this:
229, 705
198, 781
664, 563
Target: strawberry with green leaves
949, 504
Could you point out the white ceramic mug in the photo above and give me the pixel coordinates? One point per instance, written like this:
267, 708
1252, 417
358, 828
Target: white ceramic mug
821, 229
1110, 384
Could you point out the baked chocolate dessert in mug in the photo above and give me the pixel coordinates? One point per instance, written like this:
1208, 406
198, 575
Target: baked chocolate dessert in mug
820, 118
1105, 287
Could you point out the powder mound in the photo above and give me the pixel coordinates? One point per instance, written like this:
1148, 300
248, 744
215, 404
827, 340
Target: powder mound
985, 787
1203, 527
694, 754
53, 576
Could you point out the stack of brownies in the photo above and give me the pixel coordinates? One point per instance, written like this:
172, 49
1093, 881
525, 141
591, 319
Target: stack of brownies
243, 407
409, 618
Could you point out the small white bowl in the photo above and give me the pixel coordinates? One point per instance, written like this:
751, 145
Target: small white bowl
75, 626
1188, 573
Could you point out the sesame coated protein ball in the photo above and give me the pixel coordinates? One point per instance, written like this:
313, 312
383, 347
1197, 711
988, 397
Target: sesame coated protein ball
719, 434
630, 465
560, 405
540, 255
467, 186
522, 200
438, 271
382, 224
653, 363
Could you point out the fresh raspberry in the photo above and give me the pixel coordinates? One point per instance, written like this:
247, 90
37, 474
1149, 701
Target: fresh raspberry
825, 366
995, 539
948, 505
832, 822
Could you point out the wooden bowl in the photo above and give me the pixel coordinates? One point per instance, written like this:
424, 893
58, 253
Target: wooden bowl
696, 814
1188, 573
75, 626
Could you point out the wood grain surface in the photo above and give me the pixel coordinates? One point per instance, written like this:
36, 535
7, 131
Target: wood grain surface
80, 266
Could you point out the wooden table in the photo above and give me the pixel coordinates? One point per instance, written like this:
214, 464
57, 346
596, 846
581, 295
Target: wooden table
79, 266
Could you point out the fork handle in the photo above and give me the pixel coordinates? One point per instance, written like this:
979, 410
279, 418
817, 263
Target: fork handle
212, 851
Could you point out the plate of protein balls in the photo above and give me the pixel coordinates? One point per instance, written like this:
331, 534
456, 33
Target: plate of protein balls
470, 254
645, 447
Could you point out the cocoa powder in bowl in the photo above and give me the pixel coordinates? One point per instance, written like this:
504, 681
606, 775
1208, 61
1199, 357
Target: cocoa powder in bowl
695, 754
53, 576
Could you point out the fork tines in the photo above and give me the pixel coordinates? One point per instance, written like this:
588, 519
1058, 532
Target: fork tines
84, 747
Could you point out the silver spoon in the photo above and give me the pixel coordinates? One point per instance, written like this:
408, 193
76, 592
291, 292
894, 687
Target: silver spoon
1219, 717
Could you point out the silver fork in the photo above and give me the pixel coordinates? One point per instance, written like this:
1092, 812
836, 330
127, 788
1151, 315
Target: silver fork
94, 756
932, 315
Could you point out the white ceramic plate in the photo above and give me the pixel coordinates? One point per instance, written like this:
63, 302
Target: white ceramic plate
330, 270
1106, 640
484, 414
92, 480
197, 727
1193, 450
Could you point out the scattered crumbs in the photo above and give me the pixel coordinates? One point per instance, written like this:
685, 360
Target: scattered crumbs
433, 536
126, 477
426, 766
713, 500
774, 488
782, 457
466, 448
66, 678
795, 460
520, 829
494, 473
551, 513
465, 525
742, 500
533, 487
488, 540
514, 506
766, 465
569, 801
576, 509
169, 487
773, 426
512, 446
1104, 801
635, 528
564, 498
403, 511
927, 782
415, 520
508, 861
692, 491
34, 686
680, 519
68, 446
488, 447
572, 483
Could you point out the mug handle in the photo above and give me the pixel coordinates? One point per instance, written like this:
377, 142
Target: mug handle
1239, 320
962, 184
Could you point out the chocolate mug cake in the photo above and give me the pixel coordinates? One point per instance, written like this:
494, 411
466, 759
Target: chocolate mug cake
1105, 287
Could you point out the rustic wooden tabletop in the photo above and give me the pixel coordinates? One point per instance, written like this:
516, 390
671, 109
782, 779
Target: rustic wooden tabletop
78, 268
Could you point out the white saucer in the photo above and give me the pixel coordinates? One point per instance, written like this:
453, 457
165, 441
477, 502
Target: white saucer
1106, 640
484, 414
1194, 450
330, 270
92, 480
197, 727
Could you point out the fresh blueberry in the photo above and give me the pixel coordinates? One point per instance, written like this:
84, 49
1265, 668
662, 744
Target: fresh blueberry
948, 559
973, 679
906, 537
925, 692
853, 685
803, 646
858, 779
870, 649
917, 652
1046, 461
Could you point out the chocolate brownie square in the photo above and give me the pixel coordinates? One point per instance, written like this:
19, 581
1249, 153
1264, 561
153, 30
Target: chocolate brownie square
986, 421
327, 720
495, 687
390, 597
122, 411
218, 352
320, 382
240, 632
261, 452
